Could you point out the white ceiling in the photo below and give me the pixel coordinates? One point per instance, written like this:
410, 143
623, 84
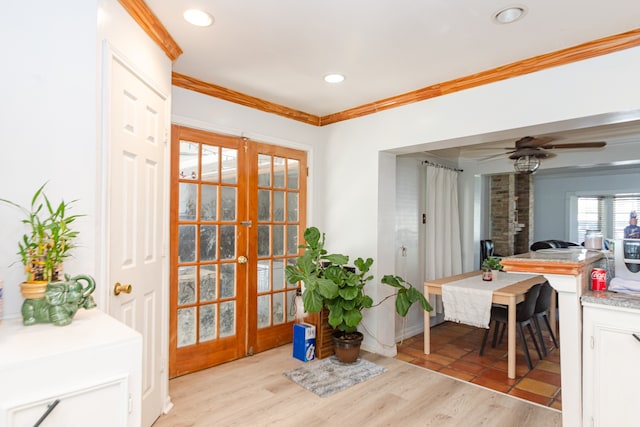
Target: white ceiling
279, 50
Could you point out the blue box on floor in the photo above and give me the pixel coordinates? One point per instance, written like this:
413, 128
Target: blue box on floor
304, 341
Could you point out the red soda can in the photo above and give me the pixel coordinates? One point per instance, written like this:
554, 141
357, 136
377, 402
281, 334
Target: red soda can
599, 279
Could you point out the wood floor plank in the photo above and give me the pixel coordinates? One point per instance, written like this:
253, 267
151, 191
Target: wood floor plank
253, 392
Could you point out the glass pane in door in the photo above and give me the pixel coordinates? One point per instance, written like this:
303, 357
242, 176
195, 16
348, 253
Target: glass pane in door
207, 207
278, 198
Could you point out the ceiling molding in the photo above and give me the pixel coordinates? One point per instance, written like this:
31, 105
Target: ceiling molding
148, 21
154, 28
537, 63
220, 92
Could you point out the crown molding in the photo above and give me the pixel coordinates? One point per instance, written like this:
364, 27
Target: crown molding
154, 28
148, 21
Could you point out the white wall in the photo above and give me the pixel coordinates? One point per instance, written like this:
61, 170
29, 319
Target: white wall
408, 247
48, 116
351, 178
596, 86
47, 124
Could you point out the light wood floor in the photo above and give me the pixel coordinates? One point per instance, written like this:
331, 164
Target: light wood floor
253, 392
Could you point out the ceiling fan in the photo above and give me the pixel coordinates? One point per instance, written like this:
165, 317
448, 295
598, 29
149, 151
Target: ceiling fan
528, 151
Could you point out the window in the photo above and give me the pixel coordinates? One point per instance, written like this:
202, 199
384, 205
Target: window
610, 214
622, 207
590, 215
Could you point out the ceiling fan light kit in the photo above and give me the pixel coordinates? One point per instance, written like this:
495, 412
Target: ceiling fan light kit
526, 164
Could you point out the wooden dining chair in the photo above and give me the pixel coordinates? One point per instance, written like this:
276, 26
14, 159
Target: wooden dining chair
524, 315
543, 305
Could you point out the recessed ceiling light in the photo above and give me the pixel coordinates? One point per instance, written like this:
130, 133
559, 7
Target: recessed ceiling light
333, 78
509, 14
198, 18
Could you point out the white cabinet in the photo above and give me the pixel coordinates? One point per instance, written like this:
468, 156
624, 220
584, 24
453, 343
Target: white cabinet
88, 372
611, 375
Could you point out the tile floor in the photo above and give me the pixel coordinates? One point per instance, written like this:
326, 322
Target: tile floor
455, 352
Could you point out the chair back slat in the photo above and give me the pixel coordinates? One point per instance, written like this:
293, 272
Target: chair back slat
527, 307
544, 299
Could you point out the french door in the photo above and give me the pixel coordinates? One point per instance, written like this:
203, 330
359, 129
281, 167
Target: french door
237, 217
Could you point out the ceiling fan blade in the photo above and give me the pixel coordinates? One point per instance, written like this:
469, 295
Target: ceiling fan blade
599, 144
530, 151
533, 142
495, 156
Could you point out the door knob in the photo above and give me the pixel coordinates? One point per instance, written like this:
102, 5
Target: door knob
118, 288
242, 259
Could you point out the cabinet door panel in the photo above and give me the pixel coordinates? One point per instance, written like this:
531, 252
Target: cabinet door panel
103, 405
611, 371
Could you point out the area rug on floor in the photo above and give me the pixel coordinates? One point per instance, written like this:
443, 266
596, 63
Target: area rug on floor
328, 376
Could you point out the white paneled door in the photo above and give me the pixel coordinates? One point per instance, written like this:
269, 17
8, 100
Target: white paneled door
138, 220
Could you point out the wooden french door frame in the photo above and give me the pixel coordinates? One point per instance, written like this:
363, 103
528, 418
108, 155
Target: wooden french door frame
288, 185
269, 224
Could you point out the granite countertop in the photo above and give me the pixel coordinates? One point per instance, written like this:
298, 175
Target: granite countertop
566, 261
557, 255
615, 299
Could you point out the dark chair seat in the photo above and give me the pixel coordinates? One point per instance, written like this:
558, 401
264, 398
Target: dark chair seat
524, 314
543, 305
549, 244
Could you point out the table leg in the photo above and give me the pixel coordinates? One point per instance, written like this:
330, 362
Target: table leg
511, 353
427, 325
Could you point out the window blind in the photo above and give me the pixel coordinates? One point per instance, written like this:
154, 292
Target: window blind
590, 215
622, 207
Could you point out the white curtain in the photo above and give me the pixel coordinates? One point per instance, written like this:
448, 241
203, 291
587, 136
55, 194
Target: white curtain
442, 245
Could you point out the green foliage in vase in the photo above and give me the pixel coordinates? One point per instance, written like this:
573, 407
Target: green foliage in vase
49, 239
492, 263
330, 283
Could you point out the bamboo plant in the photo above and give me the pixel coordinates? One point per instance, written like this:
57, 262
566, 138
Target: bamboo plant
50, 238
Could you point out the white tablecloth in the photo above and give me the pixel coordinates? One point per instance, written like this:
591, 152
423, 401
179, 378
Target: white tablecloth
469, 300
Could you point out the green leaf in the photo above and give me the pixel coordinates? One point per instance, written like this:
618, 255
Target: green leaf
367, 301
362, 265
312, 236
312, 301
402, 304
352, 317
334, 273
293, 275
423, 301
335, 316
392, 281
349, 292
338, 259
327, 288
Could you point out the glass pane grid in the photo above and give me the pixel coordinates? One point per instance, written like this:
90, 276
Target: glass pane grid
206, 287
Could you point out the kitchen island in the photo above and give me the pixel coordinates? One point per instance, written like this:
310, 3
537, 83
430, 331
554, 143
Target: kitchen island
568, 271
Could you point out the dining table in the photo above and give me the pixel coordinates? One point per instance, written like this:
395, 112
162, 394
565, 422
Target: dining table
513, 292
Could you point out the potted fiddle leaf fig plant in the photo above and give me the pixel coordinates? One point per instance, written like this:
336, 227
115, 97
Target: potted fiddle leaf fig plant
331, 284
47, 242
